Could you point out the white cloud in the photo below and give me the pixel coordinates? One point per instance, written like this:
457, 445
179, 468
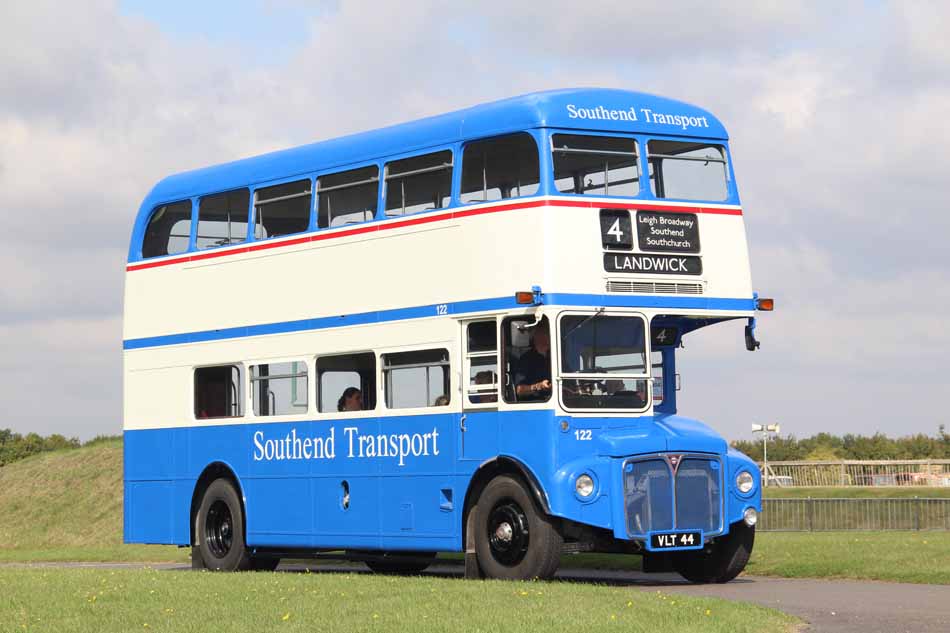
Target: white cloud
837, 118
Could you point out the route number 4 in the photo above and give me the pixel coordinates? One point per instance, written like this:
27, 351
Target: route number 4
616, 231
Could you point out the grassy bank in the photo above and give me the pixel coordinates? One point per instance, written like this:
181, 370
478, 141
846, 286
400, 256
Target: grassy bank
127, 600
67, 505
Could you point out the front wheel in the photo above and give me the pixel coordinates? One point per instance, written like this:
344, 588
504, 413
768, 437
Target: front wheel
721, 560
514, 540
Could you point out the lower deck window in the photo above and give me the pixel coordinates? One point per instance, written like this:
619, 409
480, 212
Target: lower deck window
603, 362
347, 382
219, 392
279, 388
526, 359
417, 379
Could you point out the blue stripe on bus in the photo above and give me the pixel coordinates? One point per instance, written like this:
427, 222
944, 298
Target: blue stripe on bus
419, 312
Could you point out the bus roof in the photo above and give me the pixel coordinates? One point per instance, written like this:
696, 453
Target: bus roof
597, 109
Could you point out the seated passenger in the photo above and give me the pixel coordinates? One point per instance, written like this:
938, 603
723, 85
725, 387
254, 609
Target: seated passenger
441, 401
351, 400
486, 377
534, 367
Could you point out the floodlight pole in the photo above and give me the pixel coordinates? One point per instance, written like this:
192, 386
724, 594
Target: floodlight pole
765, 429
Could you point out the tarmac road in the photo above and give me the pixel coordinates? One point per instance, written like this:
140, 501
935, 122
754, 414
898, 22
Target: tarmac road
828, 606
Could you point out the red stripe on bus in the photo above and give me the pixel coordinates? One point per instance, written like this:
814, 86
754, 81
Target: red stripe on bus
427, 219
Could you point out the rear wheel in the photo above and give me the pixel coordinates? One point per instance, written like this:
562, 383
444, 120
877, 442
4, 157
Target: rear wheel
513, 539
721, 560
401, 562
219, 528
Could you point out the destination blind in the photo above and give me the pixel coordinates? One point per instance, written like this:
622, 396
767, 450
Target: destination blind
657, 235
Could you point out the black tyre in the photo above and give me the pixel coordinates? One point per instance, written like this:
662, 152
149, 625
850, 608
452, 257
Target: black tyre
401, 562
721, 560
514, 540
219, 529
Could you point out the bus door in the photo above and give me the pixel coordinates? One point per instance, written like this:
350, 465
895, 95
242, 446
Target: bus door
480, 390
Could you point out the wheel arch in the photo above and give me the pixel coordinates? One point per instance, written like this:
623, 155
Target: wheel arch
213, 471
488, 470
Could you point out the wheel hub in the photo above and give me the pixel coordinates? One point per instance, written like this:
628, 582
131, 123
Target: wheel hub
218, 529
508, 532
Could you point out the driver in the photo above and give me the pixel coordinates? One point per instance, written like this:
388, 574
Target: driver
534, 366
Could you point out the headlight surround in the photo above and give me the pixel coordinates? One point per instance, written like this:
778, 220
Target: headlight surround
584, 486
745, 482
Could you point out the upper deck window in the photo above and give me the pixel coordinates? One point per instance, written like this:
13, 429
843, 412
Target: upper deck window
595, 165
687, 170
498, 168
222, 219
168, 230
419, 183
347, 197
282, 209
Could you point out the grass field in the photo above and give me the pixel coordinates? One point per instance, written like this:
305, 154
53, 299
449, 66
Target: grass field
920, 557
144, 600
858, 492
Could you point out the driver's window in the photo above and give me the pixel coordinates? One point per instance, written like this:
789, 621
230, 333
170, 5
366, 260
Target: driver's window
526, 359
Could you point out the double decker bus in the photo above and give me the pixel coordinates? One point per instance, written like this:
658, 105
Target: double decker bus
457, 334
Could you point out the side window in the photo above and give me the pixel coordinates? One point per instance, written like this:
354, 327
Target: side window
219, 392
347, 197
416, 379
595, 165
222, 219
418, 184
279, 388
282, 209
168, 230
347, 382
497, 168
481, 358
656, 362
526, 359
688, 171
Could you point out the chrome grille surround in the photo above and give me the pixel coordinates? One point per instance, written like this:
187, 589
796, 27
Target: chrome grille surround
661, 496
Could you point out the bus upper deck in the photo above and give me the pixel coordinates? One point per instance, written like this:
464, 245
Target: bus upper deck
599, 197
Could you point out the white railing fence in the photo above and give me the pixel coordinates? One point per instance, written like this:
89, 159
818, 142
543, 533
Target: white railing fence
923, 472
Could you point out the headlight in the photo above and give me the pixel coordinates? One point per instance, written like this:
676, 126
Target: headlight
745, 482
750, 516
584, 486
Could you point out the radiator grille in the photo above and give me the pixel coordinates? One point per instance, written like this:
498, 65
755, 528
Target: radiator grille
656, 500
654, 287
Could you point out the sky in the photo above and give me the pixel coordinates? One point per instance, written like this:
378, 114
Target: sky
836, 111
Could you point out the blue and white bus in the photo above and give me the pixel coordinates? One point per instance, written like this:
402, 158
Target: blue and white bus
457, 334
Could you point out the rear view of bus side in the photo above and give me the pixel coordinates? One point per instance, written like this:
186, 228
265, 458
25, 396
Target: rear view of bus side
457, 334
